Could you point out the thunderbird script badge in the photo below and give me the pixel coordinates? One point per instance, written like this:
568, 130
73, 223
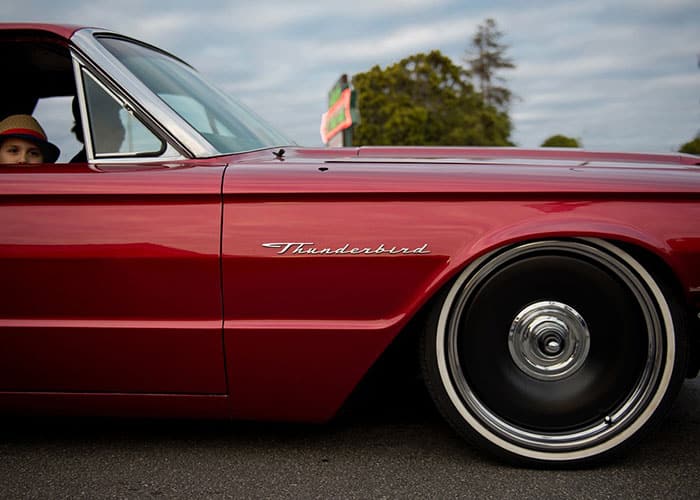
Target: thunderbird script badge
310, 248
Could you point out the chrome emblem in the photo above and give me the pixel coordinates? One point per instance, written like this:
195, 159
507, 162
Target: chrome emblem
310, 248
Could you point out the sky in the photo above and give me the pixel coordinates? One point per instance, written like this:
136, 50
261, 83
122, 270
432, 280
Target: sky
618, 76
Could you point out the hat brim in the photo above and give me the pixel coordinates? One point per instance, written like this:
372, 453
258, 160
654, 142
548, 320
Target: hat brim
48, 150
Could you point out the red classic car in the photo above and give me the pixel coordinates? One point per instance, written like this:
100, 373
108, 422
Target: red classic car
193, 262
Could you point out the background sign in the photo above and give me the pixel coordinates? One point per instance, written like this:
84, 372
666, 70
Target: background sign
342, 114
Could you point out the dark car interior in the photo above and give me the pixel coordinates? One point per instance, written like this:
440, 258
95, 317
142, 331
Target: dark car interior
40, 67
39, 78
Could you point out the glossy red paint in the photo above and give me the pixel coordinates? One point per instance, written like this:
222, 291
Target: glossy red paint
111, 279
62, 30
314, 171
543, 154
301, 329
116, 266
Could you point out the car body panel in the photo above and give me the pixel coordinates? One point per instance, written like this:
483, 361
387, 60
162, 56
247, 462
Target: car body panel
354, 170
63, 30
332, 314
113, 272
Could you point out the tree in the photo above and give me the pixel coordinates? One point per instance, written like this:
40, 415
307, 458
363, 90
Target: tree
425, 99
485, 58
561, 141
691, 147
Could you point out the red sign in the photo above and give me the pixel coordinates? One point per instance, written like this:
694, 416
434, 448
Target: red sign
337, 118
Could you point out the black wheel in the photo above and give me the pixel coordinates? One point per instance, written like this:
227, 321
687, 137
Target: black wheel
561, 351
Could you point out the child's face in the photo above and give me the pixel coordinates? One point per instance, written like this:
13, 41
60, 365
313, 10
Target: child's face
14, 150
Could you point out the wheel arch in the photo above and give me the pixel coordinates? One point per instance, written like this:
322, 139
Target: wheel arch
653, 252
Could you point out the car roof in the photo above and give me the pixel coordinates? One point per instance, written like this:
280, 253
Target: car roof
62, 30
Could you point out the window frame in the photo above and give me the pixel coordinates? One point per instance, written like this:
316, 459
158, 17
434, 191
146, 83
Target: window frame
81, 69
86, 73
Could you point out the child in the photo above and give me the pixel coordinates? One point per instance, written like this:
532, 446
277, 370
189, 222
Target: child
22, 140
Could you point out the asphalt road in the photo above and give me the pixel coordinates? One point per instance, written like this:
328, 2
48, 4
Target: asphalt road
401, 449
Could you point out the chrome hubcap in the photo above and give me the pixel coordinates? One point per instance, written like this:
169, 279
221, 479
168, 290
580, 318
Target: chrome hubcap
548, 340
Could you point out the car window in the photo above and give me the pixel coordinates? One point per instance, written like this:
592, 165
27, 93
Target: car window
196, 114
225, 123
40, 83
43, 85
115, 131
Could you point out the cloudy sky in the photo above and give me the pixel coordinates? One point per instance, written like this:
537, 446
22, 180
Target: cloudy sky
620, 75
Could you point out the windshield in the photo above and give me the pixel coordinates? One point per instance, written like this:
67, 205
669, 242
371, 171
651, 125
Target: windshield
226, 124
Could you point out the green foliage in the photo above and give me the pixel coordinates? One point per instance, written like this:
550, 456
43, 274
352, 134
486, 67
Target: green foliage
691, 147
561, 141
485, 58
425, 99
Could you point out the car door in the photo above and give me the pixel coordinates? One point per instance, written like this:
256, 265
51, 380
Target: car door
110, 269
110, 279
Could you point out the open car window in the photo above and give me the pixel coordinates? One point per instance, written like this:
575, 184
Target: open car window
43, 84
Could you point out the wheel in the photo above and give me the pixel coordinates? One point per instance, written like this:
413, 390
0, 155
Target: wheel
554, 352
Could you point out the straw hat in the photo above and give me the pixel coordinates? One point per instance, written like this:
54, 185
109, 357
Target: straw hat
27, 128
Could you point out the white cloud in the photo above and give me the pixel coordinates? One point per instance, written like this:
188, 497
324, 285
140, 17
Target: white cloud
399, 42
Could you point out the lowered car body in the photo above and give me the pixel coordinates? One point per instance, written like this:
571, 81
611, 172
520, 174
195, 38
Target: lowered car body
228, 273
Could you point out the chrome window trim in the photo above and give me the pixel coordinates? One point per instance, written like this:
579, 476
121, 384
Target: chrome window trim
169, 153
80, 94
138, 96
164, 145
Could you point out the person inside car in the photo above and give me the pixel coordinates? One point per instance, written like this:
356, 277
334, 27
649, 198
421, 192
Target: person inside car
22, 140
